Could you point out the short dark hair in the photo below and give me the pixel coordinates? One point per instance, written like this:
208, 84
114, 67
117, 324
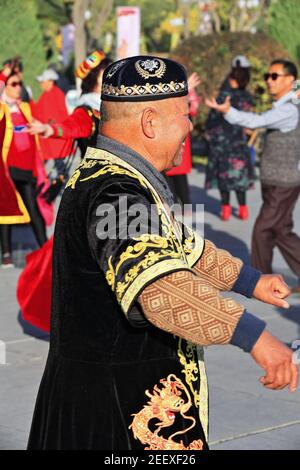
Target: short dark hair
241, 75
9, 61
288, 66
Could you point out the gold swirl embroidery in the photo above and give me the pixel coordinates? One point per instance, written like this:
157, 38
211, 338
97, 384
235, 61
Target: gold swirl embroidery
163, 406
189, 242
189, 359
113, 169
87, 164
108, 168
166, 249
143, 242
83, 165
72, 181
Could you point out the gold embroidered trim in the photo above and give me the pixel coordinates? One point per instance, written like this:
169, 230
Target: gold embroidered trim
144, 90
192, 358
203, 408
163, 406
152, 272
144, 242
114, 170
17, 219
193, 247
188, 358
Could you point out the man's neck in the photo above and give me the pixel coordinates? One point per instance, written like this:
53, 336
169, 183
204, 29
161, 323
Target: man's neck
281, 95
129, 141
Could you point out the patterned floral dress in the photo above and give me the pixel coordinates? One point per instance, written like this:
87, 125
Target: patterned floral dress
229, 165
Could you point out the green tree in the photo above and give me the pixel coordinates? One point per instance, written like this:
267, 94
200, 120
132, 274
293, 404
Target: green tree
21, 35
284, 25
88, 16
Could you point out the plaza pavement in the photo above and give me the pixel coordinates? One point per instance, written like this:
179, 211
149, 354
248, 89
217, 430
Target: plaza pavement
243, 415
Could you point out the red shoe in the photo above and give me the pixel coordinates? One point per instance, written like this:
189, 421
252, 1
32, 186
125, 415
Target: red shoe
243, 212
225, 212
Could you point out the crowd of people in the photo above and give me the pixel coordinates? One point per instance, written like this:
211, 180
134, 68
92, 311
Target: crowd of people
120, 303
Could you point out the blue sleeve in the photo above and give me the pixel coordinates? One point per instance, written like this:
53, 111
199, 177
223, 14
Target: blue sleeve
247, 280
247, 332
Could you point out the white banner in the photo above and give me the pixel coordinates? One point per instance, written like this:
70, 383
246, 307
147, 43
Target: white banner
128, 31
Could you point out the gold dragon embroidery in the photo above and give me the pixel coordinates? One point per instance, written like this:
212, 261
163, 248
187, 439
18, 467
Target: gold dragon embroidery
163, 406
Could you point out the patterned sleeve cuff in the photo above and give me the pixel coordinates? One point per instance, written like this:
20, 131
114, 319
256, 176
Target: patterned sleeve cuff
247, 280
247, 332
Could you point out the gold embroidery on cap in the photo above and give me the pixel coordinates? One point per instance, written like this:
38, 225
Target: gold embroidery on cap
150, 68
145, 90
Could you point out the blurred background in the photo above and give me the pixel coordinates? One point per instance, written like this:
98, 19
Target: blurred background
202, 34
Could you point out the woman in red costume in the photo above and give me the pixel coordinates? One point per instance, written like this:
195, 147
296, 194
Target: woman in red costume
19, 165
82, 124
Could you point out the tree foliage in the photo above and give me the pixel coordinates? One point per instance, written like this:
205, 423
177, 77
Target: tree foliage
21, 35
284, 25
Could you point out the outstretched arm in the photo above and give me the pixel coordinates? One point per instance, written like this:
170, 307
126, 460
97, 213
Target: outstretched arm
186, 306
190, 307
227, 273
78, 124
284, 118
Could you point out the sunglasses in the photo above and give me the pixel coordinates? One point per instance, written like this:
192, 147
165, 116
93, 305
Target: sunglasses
14, 84
274, 76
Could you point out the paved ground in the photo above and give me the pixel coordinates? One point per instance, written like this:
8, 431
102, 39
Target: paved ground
243, 415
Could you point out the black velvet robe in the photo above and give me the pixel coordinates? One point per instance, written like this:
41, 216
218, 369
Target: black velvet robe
112, 380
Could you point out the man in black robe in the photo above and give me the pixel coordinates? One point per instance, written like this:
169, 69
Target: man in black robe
136, 297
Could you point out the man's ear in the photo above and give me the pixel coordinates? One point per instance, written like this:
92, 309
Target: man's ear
148, 121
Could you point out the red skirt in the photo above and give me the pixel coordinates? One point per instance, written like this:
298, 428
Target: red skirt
34, 289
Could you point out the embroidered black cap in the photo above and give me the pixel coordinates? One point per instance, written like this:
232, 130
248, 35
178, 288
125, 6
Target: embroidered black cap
143, 78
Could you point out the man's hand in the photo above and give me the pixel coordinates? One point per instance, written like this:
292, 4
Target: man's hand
221, 108
272, 289
37, 127
276, 359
